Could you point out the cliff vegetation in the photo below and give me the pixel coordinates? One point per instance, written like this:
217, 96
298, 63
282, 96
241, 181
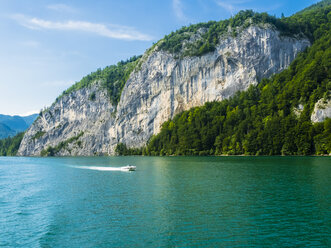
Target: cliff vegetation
198, 39
113, 78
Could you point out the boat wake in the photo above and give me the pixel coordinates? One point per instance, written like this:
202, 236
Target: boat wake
102, 168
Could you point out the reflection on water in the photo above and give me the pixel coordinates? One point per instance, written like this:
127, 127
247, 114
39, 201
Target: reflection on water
170, 201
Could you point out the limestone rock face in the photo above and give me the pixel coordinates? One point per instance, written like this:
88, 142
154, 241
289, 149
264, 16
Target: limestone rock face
73, 115
161, 88
322, 110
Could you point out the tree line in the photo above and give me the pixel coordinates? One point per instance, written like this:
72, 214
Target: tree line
9, 146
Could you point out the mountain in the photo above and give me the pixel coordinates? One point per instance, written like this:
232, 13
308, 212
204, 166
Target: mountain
203, 66
6, 131
11, 125
30, 119
286, 114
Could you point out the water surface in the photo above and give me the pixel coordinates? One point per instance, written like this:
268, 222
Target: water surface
167, 202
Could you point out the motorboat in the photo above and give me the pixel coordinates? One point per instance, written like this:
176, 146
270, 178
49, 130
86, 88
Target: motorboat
129, 168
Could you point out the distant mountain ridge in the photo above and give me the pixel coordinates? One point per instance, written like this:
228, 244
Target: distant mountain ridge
11, 125
6, 131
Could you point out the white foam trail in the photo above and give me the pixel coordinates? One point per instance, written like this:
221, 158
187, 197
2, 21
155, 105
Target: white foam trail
101, 168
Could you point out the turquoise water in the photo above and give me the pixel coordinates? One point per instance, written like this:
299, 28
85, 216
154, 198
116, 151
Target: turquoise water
167, 202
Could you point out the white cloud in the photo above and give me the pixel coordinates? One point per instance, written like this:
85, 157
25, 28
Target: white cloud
109, 31
60, 7
227, 6
29, 113
178, 10
233, 6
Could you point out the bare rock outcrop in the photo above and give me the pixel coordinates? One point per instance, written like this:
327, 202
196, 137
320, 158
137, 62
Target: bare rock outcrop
322, 110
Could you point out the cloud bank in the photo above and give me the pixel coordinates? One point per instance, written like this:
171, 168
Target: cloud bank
109, 31
233, 6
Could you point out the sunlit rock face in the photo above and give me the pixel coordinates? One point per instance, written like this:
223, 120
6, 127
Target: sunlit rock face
322, 110
71, 116
163, 87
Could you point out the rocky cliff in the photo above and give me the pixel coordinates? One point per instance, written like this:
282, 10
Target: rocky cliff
322, 110
78, 124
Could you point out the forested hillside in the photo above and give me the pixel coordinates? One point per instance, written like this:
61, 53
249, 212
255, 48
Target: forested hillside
266, 119
11, 132
9, 146
201, 38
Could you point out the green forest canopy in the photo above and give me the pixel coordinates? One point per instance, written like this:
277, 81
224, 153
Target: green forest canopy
9, 146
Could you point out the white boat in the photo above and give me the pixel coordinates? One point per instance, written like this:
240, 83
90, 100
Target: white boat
129, 168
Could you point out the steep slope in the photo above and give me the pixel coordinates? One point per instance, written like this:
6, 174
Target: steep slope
166, 86
163, 87
211, 62
288, 114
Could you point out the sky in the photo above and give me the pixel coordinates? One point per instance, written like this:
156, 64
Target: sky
47, 45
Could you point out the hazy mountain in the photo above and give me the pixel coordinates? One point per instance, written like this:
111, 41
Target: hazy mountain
5, 131
11, 125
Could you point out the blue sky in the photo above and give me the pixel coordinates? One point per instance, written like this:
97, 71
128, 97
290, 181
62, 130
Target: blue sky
46, 45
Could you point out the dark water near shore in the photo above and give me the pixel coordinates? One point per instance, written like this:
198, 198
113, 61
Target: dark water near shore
167, 202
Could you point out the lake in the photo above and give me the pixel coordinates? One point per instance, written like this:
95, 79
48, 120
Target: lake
166, 202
